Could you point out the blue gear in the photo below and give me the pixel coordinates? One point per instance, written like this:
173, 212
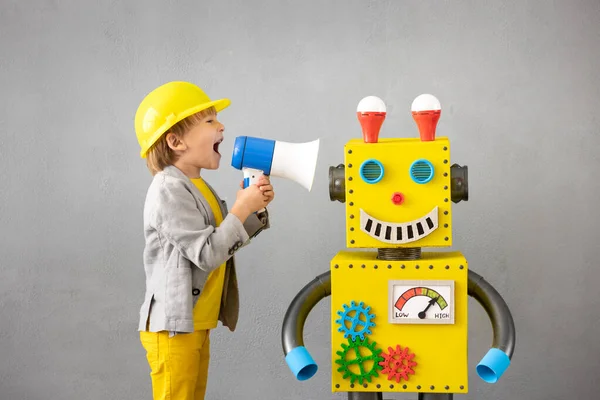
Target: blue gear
356, 320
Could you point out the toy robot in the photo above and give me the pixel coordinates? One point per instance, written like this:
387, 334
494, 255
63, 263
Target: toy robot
399, 314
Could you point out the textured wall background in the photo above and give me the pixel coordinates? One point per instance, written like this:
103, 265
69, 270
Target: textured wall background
520, 92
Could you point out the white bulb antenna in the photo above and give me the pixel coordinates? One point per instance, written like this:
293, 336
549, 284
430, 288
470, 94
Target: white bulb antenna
371, 104
426, 102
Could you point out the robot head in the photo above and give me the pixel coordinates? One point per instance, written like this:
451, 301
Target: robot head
398, 191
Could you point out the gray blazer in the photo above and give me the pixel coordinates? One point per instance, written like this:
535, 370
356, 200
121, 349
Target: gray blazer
183, 247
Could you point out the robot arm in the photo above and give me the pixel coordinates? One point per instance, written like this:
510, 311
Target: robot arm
297, 357
496, 361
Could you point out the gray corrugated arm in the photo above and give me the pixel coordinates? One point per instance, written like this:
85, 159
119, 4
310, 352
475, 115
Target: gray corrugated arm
498, 358
297, 357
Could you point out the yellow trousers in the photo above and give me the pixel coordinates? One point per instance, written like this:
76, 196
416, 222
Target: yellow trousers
178, 364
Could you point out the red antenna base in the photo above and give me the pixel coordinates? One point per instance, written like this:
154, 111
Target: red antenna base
371, 124
427, 123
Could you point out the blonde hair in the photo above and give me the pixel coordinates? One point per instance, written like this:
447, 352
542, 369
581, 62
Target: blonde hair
160, 155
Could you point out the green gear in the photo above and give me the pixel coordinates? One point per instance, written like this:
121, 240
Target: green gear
355, 344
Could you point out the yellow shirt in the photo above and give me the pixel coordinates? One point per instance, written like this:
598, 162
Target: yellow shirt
206, 311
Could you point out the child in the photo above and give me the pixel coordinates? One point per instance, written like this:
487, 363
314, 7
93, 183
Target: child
191, 237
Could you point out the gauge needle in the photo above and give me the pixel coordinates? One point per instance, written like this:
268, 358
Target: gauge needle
431, 302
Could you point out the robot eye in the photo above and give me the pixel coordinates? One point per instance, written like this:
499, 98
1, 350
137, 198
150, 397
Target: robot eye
421, 171
371, 171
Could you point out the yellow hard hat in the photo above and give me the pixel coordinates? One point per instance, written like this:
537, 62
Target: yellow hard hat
165, 106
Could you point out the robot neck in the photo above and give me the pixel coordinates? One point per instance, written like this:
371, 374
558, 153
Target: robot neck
400, 253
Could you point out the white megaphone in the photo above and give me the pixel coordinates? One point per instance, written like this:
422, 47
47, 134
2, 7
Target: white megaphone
257, 156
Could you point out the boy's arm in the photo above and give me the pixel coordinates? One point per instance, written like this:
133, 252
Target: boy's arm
177, 220
256, 223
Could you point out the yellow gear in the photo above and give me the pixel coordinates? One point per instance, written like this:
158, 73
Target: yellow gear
165, 106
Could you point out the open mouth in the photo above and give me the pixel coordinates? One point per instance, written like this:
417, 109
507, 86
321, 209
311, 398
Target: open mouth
397, 233
216, 146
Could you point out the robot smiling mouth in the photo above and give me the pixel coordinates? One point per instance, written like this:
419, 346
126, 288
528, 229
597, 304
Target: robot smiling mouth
397, 233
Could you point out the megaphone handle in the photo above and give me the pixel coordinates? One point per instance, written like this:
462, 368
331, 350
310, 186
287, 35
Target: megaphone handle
252, 176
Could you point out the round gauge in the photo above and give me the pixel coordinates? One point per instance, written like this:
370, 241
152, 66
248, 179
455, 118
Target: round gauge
421, 302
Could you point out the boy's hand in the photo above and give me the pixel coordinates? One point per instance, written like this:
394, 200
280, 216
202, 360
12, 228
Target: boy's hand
264, 183
253, 198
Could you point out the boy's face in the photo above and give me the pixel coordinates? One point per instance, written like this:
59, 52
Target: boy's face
202, 144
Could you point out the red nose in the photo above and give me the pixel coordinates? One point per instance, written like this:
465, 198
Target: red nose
398, 198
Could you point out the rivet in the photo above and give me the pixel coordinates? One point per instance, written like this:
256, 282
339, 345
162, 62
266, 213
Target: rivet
445, 174
365, 385
349, 165
351, 216
391, 386
349, 151
431, 267
336, 266
351, 203
375, 266
363, 265
445, 212
352, 385
404, 386
418, 386
416, 266
378, 386
461, 387
445, 148
350, 266
447, 387
447, 267
350, 191
446, 200
445, 225
352, 229
402, 266
461, 267
446, 239
445, 161
432, 387
445, 187
389, 267
337, 385
349, 178
352, 241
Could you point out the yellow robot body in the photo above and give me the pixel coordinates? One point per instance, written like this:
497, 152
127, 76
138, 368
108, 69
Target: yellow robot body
432, 350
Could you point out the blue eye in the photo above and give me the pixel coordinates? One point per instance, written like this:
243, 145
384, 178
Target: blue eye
371, 171
421, 171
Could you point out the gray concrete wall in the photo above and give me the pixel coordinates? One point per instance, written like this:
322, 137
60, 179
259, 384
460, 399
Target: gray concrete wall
520, 90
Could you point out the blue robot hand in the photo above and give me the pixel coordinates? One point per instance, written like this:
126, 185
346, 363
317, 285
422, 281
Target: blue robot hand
492, 365
301, 363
